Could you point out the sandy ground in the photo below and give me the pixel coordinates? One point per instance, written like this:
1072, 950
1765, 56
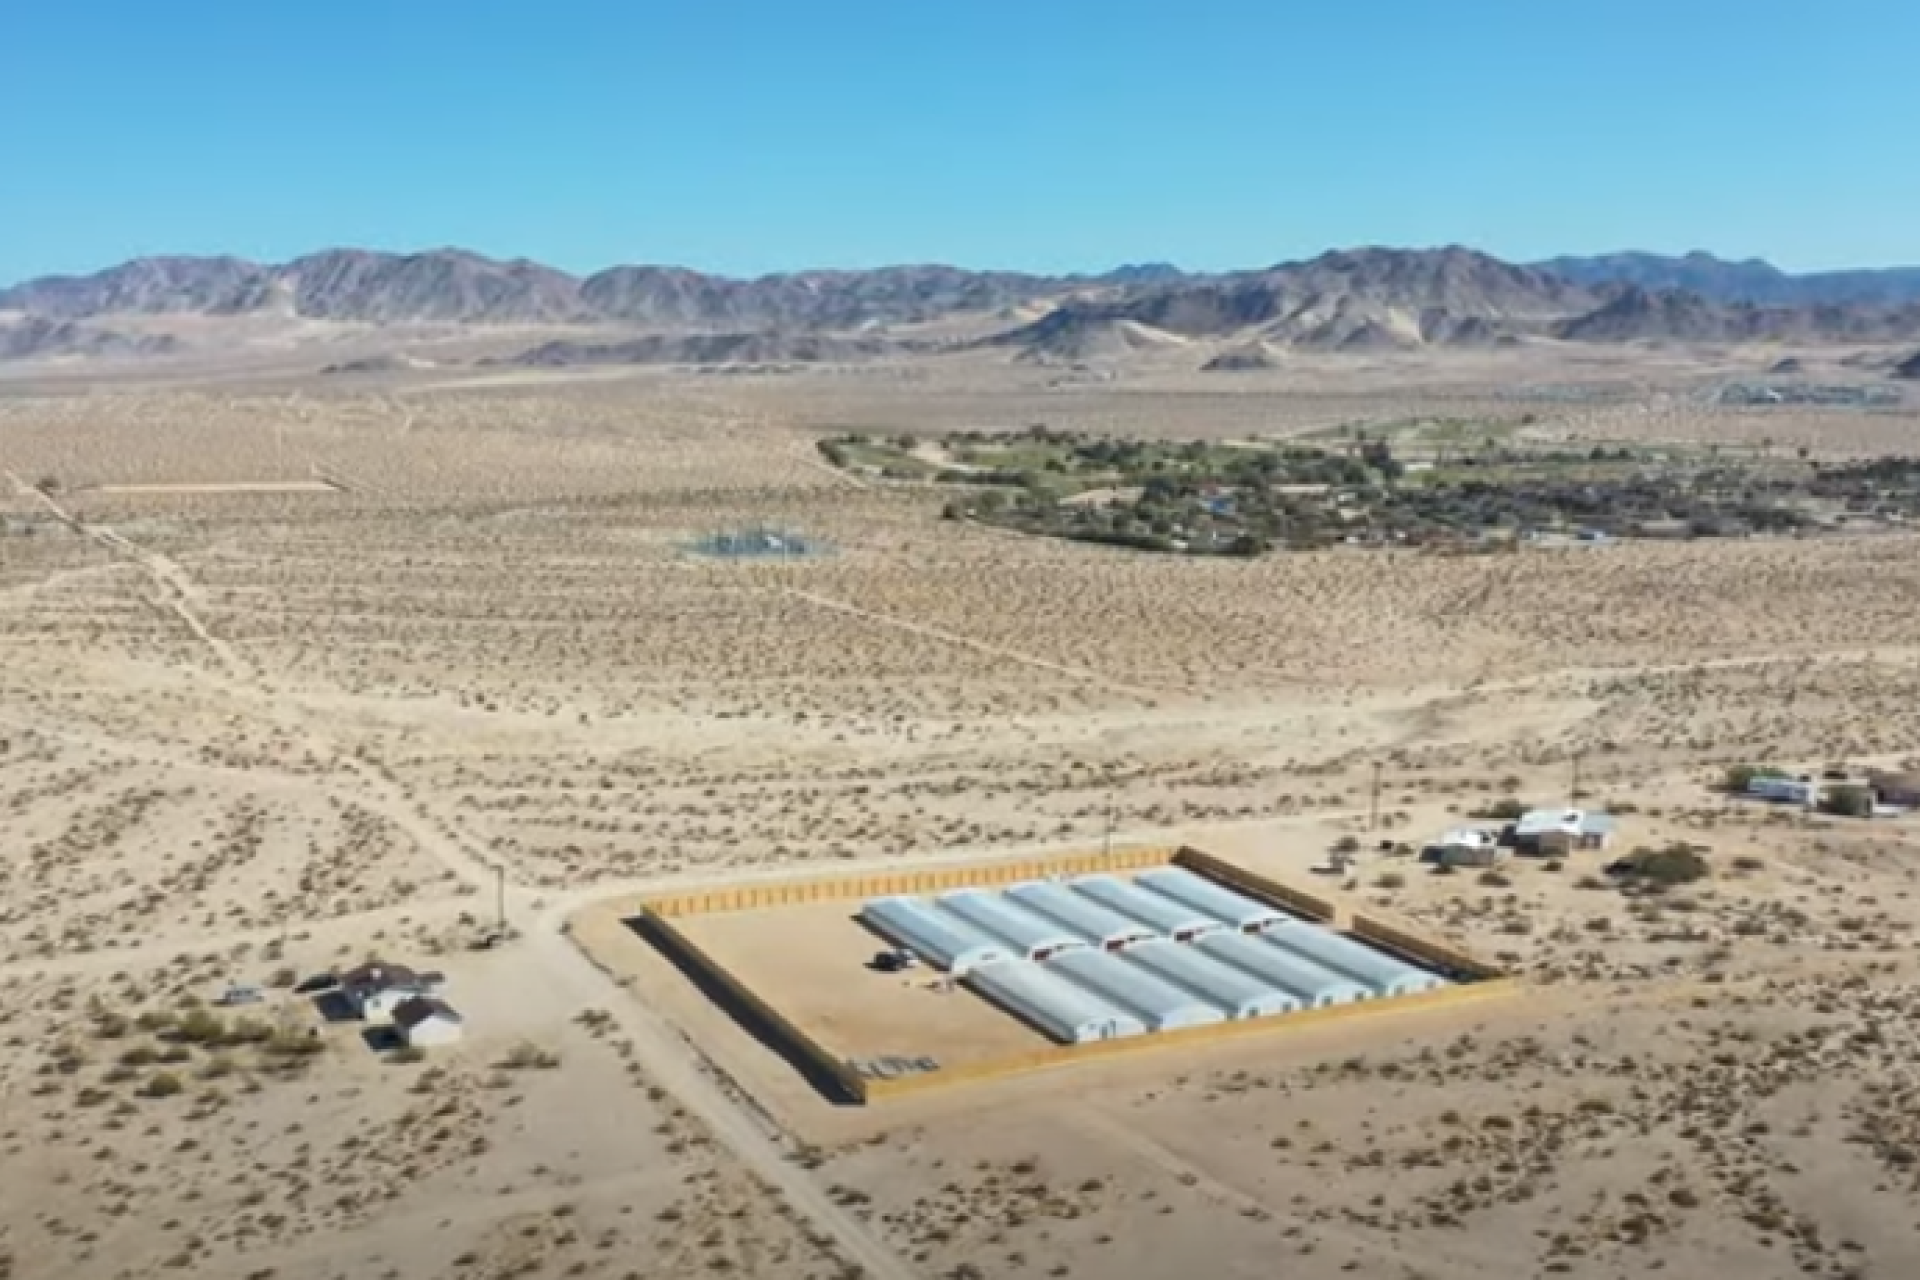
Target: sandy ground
810, 964
241, 732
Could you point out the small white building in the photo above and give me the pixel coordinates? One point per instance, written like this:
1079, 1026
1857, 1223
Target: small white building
1560, 831
1781, 789
1465, 847
426, 1023
374, 991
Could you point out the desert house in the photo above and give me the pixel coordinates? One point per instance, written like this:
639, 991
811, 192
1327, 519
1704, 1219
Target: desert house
375, 991
1784, 789
1464, 847
1547, 832
427, 1023
1898, 789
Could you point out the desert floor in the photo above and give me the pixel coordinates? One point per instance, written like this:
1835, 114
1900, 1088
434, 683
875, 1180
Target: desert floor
295, 675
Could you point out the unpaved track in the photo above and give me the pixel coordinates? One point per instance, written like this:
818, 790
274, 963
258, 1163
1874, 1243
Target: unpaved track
667, 1059
177, 593
670, 1062
1083, 674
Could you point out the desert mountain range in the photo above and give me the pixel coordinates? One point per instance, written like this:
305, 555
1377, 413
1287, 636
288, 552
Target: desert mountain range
1357, 300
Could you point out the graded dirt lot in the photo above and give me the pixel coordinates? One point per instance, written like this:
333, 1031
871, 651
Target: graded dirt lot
811, 964
246, 731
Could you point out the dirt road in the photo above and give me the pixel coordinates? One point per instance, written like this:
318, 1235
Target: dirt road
672, 1063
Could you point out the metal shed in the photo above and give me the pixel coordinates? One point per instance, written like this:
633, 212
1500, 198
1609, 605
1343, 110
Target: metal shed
1057, 1007
1381, 973
1312, 985
1167, 917
1202, 894
1031, 936
1098, 925
1238, 992
936, 936
1159, 1004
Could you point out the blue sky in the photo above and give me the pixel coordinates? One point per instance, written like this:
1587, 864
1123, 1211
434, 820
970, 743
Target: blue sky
756, 135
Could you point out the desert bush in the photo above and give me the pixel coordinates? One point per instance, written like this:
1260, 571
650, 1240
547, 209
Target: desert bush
527, 1054
407, 1053
197, 1026
1390, 880
1676, 864
246, 1031
289, 1043
162, 1084
1493, 879
1848, 802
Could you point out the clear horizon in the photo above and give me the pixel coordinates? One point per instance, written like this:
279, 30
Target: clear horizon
1072, 139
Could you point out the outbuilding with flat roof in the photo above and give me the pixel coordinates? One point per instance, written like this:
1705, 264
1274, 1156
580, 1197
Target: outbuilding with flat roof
1058, 1008
936, 936
1095, 924
1203, 895
1157, 1003
1554, 831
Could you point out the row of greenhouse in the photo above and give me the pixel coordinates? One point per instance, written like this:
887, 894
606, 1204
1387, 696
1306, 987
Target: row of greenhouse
1098, 958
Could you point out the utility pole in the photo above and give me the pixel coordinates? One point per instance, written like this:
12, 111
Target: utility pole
1106, 847
1373, 807
500, 895
1573, 784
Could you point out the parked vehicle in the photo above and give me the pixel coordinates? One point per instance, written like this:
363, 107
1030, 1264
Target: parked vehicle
241, 993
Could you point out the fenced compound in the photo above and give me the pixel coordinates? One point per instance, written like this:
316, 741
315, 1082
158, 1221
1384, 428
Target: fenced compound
866, 1078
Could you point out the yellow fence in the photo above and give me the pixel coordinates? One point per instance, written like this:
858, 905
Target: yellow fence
1271, 892
1100, 1050
906, 881
786, 1039
834, 1076
1427, 951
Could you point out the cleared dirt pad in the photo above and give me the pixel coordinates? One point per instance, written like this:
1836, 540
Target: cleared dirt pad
810, 963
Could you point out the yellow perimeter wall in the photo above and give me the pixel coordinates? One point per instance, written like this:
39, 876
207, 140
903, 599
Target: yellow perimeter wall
814, 1058
788, 1039
1099, 1050
920, 880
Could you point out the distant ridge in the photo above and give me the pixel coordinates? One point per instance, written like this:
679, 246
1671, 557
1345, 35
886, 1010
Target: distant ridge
1365, 300
1753, 280
453, 286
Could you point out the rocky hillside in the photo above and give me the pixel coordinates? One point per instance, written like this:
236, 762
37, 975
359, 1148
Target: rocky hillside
1360, 300
1635, 314
452, 286
1366, 299
1752, 280
40, 338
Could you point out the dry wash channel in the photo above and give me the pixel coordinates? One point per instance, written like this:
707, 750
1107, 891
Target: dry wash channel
989, 971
